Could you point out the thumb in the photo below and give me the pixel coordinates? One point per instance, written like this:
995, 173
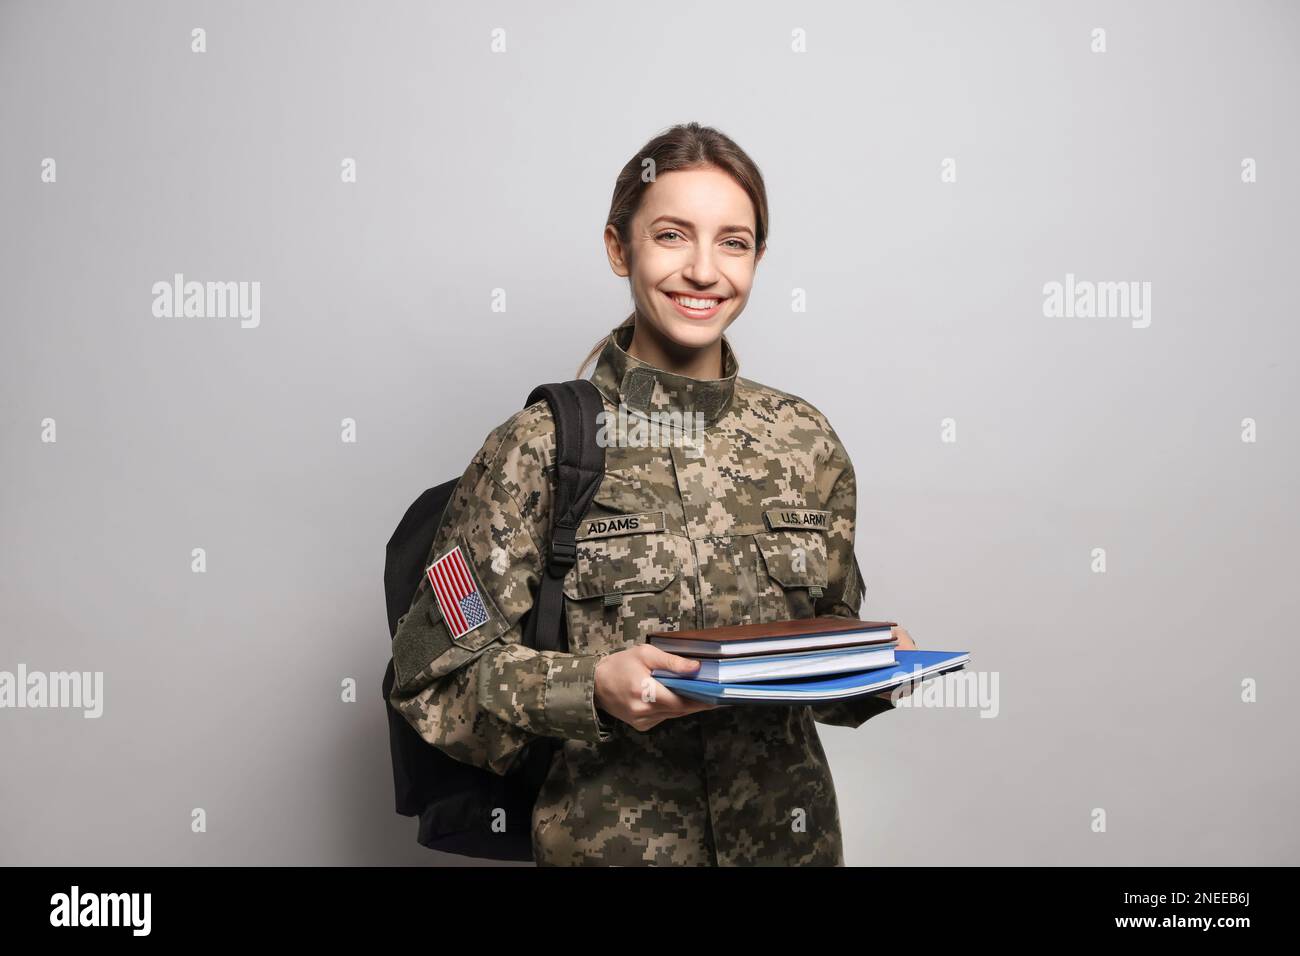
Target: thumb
670, 662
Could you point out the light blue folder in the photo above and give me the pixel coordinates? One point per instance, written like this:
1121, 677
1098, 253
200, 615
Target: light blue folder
910, 666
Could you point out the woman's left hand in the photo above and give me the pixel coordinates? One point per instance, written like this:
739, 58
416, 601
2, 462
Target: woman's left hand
905, 643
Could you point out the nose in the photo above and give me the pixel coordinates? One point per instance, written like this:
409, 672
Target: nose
700, 270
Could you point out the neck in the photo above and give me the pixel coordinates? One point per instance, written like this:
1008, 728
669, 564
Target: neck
646, 387
651, 346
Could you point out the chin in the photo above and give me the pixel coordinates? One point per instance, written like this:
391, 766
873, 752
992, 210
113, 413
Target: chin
693, 335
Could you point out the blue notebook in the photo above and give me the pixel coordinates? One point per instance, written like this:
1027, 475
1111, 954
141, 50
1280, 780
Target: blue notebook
805, 664
910, 666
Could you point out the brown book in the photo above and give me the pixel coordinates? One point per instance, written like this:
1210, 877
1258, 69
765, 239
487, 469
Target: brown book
774, 637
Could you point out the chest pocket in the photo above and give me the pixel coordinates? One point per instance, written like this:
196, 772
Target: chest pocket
796, 566
624, 585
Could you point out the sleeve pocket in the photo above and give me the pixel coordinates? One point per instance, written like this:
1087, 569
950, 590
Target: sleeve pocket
425, 651
424, 647
478, 638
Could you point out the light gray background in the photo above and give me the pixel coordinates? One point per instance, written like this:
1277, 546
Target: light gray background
481, 171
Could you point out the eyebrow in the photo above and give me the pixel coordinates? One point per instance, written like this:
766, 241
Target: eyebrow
687, 224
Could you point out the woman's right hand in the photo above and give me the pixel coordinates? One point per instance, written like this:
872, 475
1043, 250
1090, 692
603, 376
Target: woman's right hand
626, 689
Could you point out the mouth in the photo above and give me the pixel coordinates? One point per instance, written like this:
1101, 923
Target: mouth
696, 306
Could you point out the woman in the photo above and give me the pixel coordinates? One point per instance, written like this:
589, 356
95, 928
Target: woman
742, 509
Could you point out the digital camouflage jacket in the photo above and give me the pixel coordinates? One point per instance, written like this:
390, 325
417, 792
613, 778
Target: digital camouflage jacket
747, 518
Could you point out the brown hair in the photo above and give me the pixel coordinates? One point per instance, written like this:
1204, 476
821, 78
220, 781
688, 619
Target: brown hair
686, 146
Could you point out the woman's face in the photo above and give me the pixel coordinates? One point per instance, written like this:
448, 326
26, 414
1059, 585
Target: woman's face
692, 255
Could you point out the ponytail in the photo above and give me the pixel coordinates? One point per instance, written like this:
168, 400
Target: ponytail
600, 346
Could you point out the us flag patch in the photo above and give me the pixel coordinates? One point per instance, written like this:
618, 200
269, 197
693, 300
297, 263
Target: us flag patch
458, 596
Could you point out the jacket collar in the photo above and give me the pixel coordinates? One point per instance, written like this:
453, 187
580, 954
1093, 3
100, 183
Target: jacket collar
644, 389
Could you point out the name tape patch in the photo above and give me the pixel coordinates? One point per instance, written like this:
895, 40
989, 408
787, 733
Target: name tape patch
621, 524
798, 518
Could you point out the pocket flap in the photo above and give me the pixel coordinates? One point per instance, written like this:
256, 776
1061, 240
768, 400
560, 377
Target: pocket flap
794, 559
622, 563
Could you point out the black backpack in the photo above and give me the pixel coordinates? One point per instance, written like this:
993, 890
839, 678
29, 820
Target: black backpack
455, 801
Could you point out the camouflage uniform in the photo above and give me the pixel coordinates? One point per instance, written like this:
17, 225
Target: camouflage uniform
754, 523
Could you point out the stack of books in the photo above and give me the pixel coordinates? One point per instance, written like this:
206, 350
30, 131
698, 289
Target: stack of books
803, 661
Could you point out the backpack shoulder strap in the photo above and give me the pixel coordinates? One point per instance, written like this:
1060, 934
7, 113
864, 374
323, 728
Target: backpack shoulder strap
579, 468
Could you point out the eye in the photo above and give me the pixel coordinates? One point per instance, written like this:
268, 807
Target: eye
668, 232
741, 246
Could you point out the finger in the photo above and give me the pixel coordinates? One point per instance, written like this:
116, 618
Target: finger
676, 704
661, 659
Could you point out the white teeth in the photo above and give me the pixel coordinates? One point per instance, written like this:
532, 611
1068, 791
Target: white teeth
701, 304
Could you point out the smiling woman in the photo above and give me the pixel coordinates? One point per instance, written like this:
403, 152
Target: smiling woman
689, 237
750, 521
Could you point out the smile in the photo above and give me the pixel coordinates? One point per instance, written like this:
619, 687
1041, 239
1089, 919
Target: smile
696, 307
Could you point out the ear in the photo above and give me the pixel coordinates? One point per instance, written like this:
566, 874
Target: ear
619, 260
761, 250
